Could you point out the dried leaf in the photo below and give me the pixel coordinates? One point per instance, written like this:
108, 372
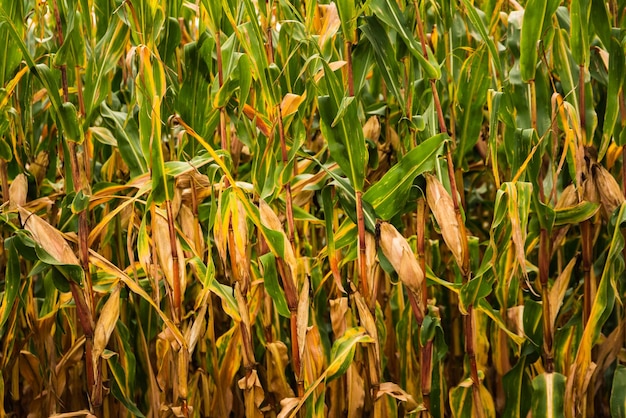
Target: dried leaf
313, 357
278, 358
558, 289
48, 237
329, 22
271, 221
287, 405
303, 317
568, 198
106, 323
395, 391
253, 393
161, 237
338, 315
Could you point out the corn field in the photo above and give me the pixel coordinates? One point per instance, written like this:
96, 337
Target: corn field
290, 208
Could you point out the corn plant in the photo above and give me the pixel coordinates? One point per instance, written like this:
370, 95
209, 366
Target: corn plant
305, 209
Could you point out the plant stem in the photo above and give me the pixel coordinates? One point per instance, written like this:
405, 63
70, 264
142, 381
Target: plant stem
465, 269
427, 350
84, 298
175, 266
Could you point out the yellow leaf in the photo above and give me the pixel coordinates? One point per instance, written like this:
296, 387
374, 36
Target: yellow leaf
290, 103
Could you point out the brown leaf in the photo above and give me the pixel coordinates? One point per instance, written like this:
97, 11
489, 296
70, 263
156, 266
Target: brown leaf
338, 315
278, 358
312, 357
395, 391
568, 198
161, 237
558, 289
191, 229
334, 66
442, 207
271, 221
106, 323
253, 393
302, 321
39, 167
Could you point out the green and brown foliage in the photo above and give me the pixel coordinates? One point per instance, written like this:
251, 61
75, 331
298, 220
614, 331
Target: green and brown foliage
273, 208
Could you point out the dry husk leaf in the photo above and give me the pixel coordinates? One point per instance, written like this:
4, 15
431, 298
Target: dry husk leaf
397, 250
18, 191
442, 207
609, 192
371, 129
106, 324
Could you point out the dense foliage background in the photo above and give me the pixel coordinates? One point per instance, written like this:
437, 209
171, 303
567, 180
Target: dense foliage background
274, 208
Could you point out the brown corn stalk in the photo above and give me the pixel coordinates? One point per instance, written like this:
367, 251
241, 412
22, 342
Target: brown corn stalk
84, 298
291, 292
465, 271
426, 352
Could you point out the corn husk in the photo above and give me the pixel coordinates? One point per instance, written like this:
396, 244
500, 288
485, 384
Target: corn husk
442, 207
397, 250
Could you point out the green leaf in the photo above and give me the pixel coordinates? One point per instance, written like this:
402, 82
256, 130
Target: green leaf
342, 352
549, 395
395, 185
345, 141
385, 55
12, 282
389, 12
118, 387
150, 92
72, 52
126, 131
580, 14
348, 14
273, 288
478, 23
617, 71
102, 62
534, 16
69, 121
80, 202
12, 55
5, 150
514, 391
576, 214
618, 392
474, 81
